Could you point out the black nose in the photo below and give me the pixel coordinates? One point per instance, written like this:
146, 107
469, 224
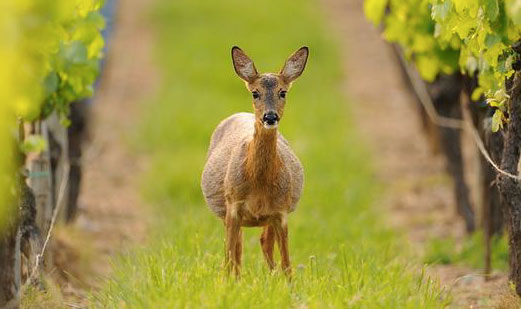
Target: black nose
270, 118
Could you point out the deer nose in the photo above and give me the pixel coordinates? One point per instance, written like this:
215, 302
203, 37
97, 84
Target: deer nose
270, 118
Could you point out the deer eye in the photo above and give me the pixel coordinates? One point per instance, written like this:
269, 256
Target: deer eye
255, 94
282, 94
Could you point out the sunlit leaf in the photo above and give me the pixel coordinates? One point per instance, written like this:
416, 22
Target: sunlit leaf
34, 143
497, 120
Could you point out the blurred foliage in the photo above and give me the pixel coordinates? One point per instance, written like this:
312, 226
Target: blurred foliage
408, 23
486, 31
50, 52
480, 31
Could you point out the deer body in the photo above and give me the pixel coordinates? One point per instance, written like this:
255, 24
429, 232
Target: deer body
252, 177
257, 168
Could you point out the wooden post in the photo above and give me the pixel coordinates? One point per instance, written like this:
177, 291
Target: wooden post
10, 267
30, 245
59, 156
10, 262
40, 181
510, 188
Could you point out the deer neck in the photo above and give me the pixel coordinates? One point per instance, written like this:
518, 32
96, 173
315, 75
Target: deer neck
262, 162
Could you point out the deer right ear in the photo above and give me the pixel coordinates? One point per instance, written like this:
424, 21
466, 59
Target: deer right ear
295, 65
244, 66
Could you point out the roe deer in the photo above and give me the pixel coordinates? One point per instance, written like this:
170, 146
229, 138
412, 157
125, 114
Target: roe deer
252, 177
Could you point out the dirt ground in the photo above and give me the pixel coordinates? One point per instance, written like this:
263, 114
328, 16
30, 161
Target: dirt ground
419, 196
111, 215
110, 199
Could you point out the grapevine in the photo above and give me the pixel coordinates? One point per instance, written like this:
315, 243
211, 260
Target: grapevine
408, 23
480, 34
51, 53
485, 35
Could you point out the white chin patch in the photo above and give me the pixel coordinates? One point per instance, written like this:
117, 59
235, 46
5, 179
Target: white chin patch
270, 126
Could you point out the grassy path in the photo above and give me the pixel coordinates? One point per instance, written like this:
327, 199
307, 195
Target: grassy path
342, 252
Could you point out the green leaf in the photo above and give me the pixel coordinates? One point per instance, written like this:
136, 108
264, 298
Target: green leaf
491, 9
492, 39
497, 120
96, 20
464, 27
441, 11
477, 93
466, 7
50, 83
428, 68
374, 10
75, 53
33, 143
513, 8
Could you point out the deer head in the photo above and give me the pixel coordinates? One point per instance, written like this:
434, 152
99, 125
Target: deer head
269, 89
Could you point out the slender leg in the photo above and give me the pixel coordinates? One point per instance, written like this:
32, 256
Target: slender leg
238, 251
281, 233
267, 241
233, 230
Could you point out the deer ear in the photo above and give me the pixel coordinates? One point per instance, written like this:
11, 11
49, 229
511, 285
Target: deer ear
295, 65
244, 66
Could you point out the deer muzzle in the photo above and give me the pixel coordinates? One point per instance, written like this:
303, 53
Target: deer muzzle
270, 120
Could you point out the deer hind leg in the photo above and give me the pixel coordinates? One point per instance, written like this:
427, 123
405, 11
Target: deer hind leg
281, 233
267, 241
233, 239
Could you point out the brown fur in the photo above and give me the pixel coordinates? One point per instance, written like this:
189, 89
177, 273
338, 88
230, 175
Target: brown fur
252, 178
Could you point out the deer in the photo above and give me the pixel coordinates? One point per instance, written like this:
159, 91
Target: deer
251, 177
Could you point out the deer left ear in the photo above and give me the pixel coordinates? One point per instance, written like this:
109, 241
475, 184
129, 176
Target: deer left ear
295, 65
243, 65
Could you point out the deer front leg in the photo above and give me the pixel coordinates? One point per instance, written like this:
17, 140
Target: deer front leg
267, 241
281, 233
238, 251
233, 233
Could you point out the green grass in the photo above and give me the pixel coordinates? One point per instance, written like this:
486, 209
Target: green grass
470, 252
342, 253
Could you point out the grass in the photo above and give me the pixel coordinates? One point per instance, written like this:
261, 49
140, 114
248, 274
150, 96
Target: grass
342, 253
470, 252
34, 298
73, 269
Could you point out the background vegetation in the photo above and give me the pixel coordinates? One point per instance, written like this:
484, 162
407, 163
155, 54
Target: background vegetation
51, 52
